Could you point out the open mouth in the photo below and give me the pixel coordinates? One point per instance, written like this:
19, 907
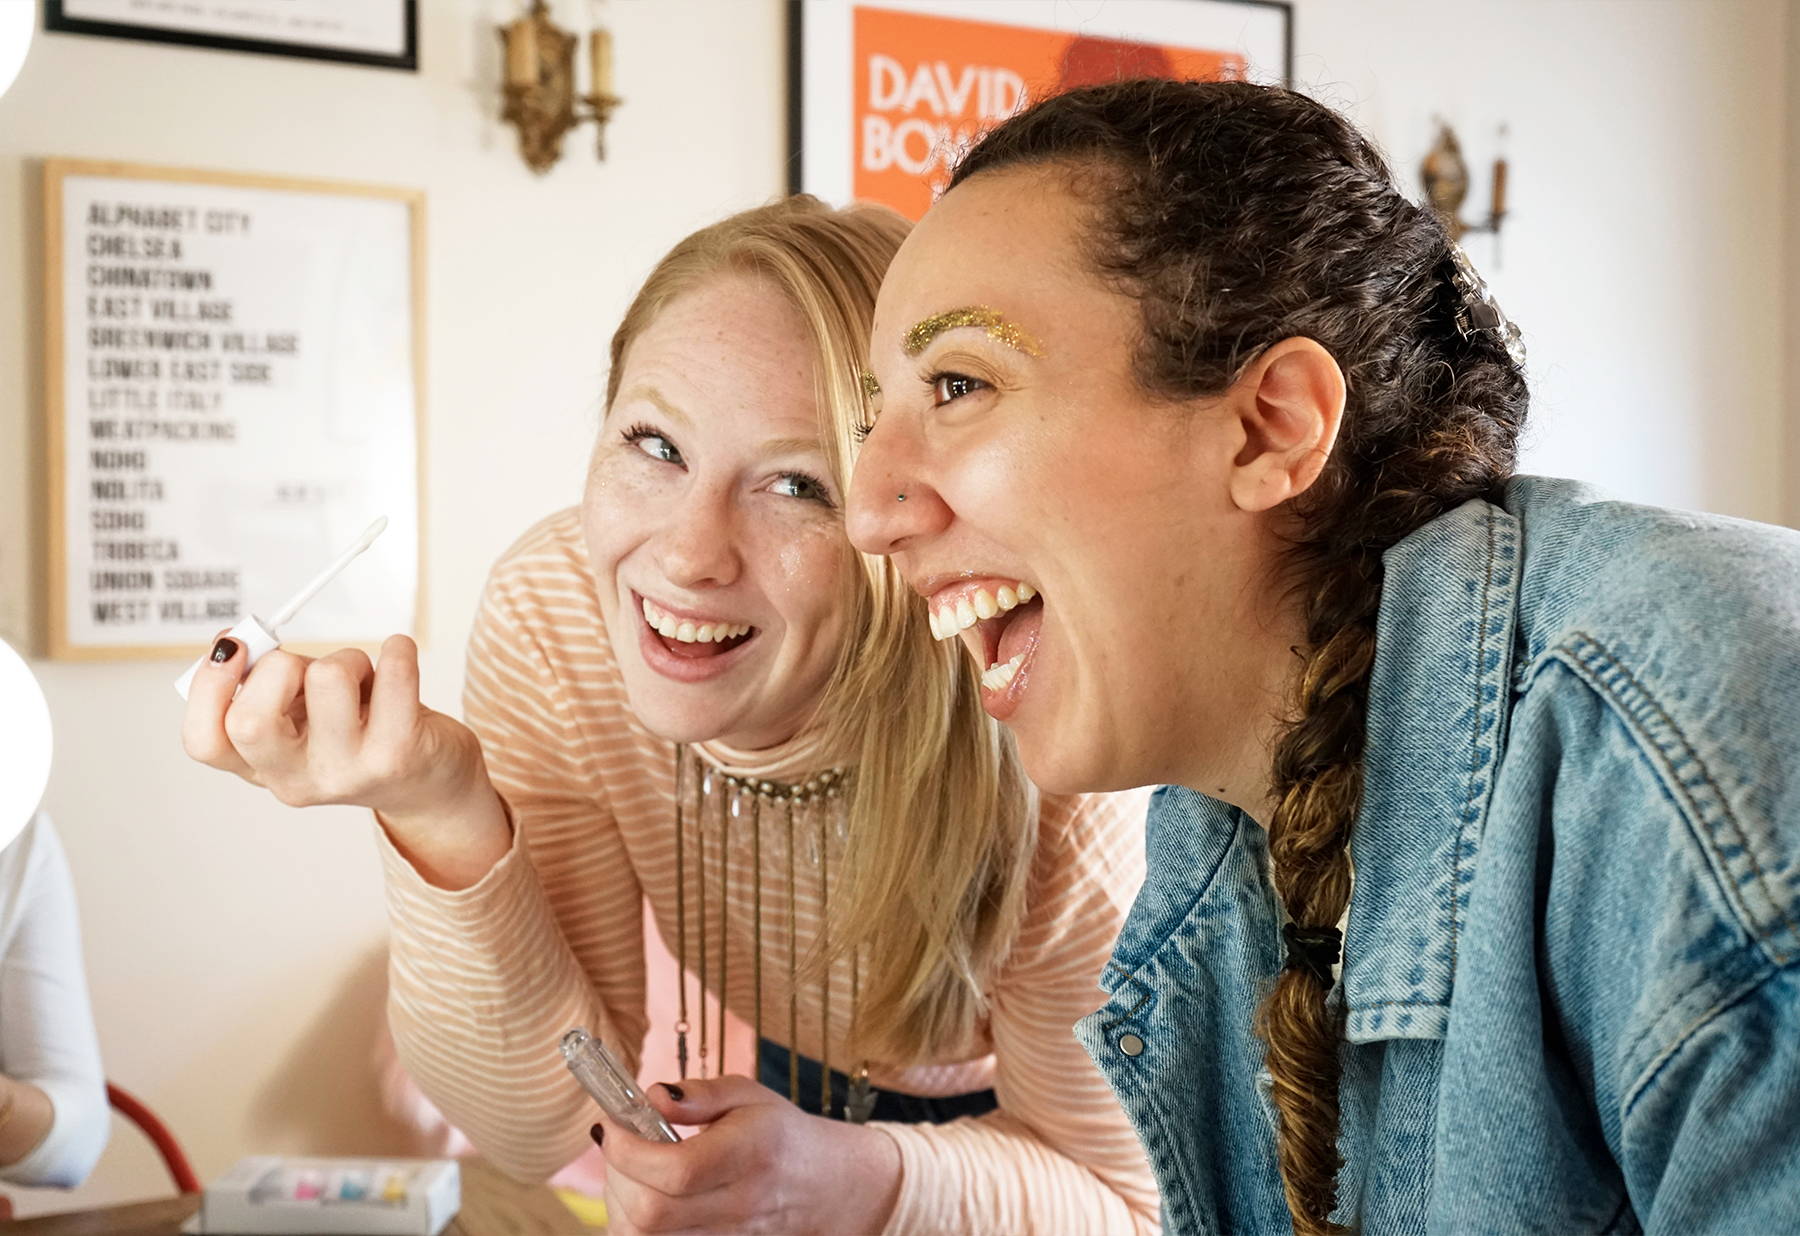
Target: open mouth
694, 639
999, 623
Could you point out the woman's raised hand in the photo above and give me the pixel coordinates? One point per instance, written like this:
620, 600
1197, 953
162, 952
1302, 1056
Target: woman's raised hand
340, 729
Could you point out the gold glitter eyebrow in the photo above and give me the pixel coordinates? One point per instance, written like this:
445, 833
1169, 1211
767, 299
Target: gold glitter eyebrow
997, 327
871, 388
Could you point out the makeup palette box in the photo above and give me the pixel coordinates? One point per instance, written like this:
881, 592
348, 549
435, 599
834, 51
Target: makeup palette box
279, 1195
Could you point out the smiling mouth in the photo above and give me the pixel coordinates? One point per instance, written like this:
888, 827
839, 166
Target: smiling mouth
998, 623
695, 639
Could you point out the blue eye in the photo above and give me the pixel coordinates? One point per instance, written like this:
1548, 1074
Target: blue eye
653, 444
800, 485
949, 387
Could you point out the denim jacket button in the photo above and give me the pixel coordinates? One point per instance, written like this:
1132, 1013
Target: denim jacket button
1131, 1045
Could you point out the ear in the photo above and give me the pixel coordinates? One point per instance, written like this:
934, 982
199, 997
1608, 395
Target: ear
1288, 405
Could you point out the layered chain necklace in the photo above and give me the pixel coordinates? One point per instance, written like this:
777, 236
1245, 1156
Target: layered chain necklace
713, 809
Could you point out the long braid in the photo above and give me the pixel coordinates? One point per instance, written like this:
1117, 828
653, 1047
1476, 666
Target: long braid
1317, 780
1239, 216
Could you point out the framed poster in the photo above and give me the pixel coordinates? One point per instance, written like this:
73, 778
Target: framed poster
882, 94
234, 368
384, 33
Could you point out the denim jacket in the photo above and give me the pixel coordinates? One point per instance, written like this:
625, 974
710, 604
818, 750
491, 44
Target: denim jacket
1572, 962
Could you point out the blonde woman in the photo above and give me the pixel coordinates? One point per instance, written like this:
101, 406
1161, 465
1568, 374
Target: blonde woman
691, 689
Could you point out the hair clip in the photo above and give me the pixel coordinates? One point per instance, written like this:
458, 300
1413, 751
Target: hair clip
1313, 949
1477, 310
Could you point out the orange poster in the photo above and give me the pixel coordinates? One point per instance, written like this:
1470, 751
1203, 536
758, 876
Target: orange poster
926, 86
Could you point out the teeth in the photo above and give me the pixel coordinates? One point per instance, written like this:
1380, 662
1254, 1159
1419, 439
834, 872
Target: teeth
691, 632
948, 620
999, 677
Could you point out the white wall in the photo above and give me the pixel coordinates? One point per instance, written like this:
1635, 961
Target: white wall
233, 945
1641, 258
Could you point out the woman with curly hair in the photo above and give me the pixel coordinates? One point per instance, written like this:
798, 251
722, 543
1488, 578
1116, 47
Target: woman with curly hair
1181, 358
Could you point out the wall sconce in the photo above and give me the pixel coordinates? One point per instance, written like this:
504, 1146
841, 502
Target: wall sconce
540, 85
1446, 179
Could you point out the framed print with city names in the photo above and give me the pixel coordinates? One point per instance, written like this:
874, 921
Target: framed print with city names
234, 391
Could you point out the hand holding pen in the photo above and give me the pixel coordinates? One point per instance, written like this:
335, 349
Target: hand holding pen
342, 729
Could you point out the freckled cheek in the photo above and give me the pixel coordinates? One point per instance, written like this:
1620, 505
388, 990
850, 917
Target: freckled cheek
618, 514
805, 579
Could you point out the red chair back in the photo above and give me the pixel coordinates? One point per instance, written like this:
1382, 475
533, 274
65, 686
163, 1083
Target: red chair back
173, 1157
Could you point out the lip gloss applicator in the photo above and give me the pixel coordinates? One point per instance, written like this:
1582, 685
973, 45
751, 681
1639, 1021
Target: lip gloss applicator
258, 636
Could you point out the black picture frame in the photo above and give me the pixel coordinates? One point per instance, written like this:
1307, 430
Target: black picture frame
796, 79
57, 21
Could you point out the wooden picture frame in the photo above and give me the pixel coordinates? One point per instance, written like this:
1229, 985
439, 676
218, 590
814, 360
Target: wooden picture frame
882, 92
185, 313
380, 33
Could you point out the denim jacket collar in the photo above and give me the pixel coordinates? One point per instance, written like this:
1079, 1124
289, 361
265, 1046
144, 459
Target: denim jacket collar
1437, 706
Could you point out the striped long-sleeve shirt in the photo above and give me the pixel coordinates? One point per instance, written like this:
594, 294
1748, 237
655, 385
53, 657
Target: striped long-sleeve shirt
486, 979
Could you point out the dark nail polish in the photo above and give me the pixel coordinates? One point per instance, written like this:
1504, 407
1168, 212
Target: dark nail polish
675, 1092
598, 1134
224, 650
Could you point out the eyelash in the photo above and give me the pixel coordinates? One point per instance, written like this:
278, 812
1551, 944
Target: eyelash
862, 429
942, 376
819, 494
639, 432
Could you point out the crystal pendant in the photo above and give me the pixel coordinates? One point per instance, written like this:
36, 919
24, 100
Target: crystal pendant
859, 1104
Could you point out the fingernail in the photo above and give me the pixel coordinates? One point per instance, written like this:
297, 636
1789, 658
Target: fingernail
675, 1092
224, 650
598, 1134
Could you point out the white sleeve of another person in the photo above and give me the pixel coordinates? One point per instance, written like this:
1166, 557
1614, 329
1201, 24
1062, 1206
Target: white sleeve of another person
47, 1033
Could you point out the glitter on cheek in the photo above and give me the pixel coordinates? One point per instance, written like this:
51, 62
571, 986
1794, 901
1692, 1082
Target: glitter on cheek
997, 328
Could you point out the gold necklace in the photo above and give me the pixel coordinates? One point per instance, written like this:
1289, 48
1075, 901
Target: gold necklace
821, 798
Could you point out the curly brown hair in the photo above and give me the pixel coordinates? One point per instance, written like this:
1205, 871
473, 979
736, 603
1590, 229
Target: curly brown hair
1237, 216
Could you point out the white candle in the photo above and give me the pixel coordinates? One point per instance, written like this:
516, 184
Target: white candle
522, 53
600, 49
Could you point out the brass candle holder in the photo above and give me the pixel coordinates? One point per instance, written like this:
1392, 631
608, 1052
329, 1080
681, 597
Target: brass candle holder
540, 99
1446, 179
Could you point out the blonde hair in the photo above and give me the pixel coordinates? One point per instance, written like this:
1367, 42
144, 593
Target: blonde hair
942, 821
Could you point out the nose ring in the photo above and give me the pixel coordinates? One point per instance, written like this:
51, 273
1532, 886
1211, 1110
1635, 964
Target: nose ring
900, 498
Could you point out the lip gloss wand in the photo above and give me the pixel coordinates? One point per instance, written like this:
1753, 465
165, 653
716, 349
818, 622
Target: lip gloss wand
259, 637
